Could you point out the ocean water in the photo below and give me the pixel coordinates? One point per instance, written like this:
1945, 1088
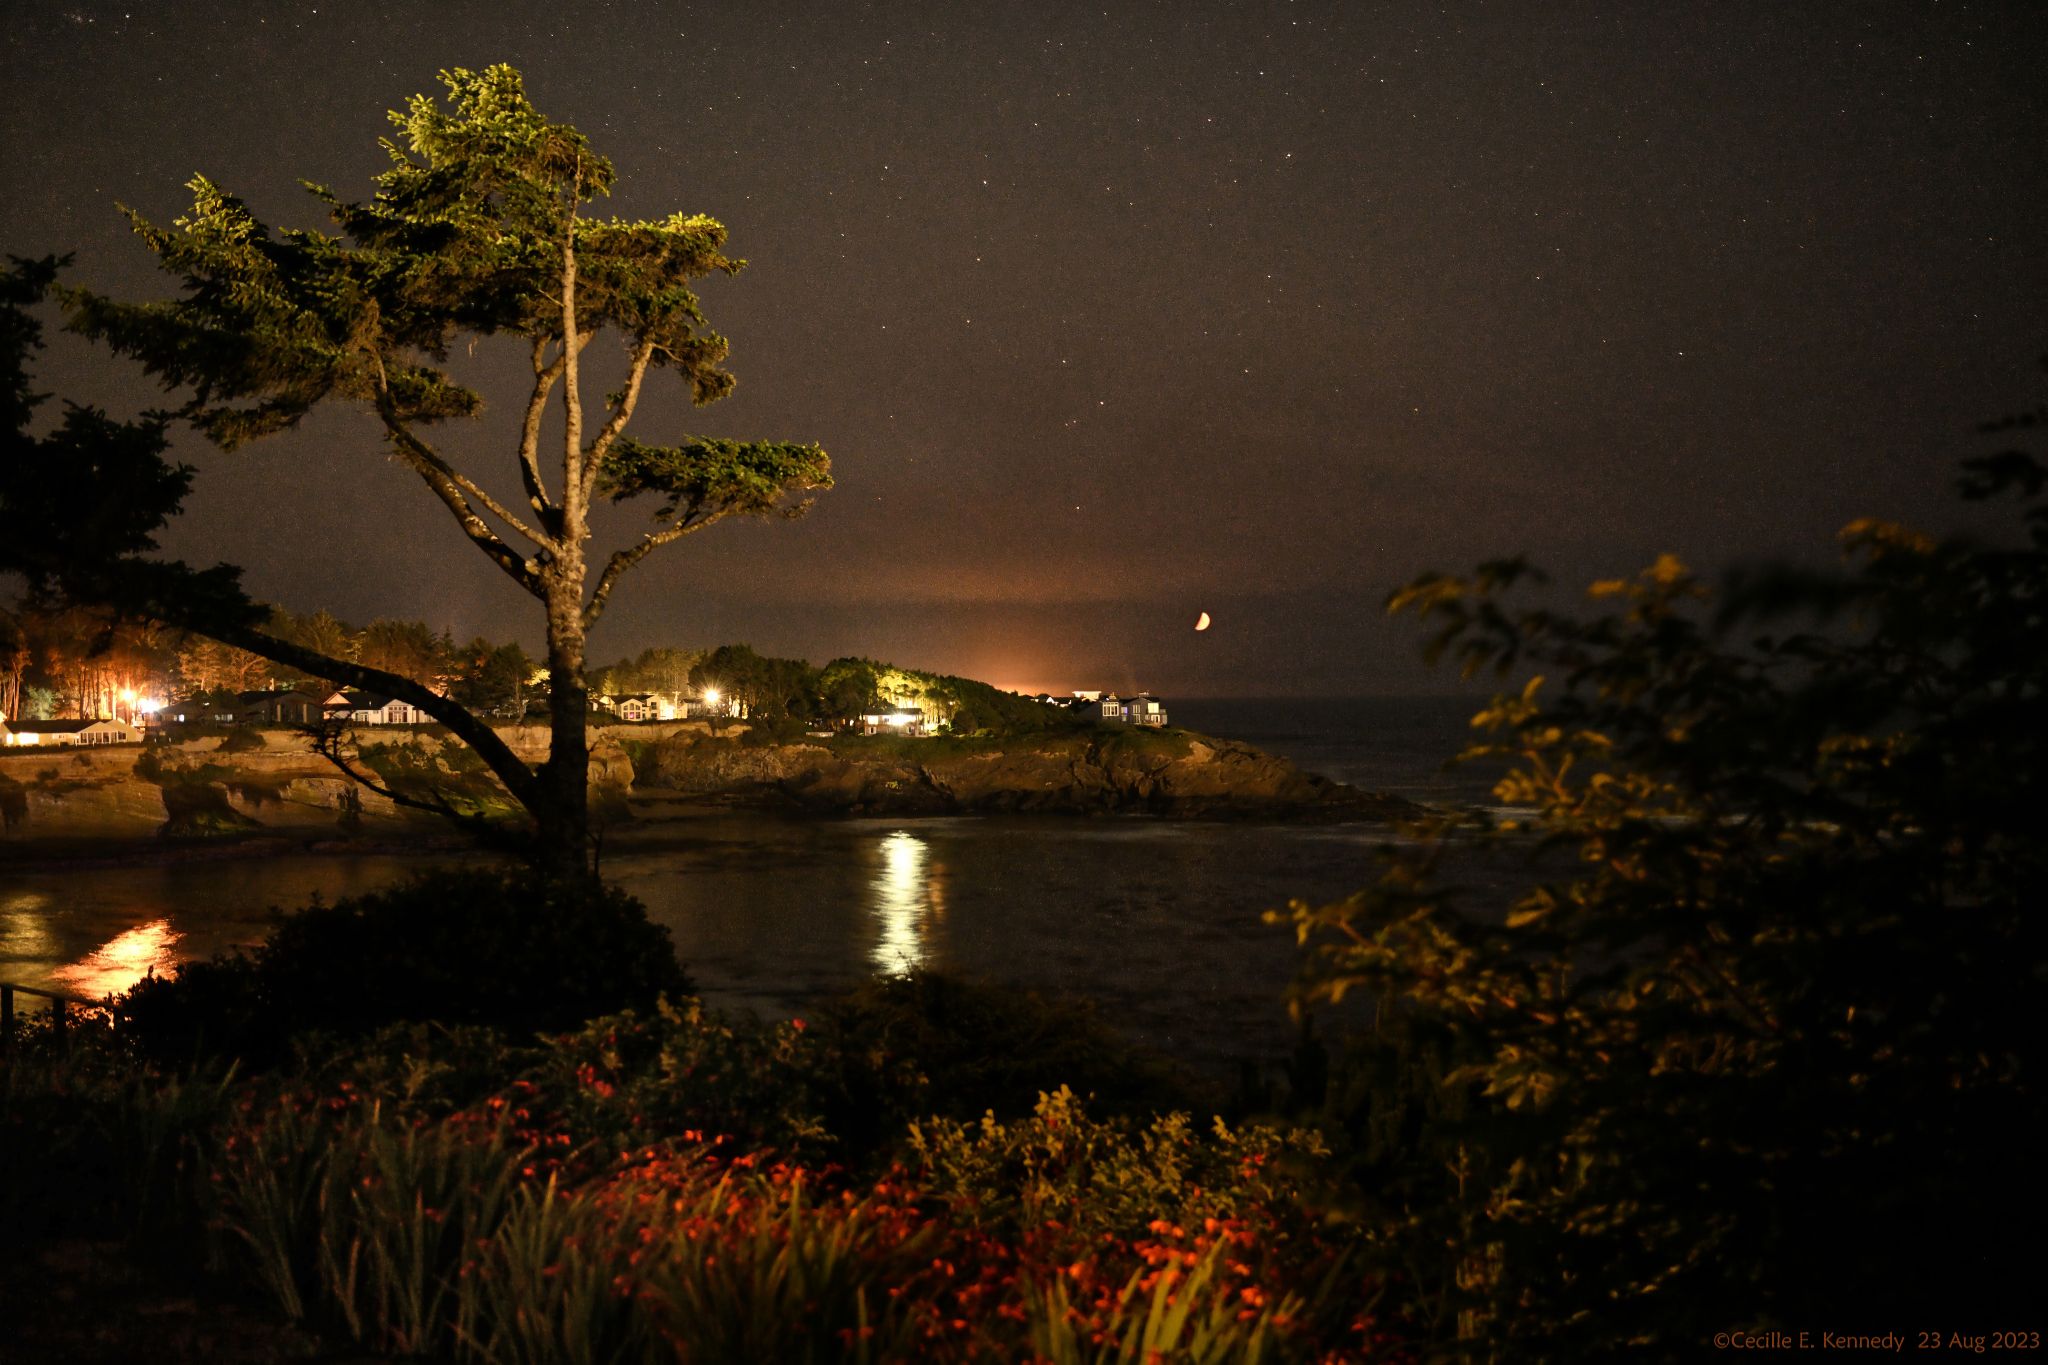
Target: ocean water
1159, 922
1400, 745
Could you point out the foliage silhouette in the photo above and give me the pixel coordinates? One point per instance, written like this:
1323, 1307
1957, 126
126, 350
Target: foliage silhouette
1756, 1045
457, 947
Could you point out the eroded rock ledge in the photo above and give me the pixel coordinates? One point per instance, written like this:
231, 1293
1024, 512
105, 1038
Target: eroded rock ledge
272, 784
1172, 774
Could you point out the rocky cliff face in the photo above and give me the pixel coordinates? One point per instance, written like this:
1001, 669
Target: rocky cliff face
197, 788
1085, 772
126, 791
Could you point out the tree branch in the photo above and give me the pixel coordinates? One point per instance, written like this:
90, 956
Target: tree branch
544, 377
451, 485
420, 453
625, 559
327, 740
450, 488
507, 766
643, 355
574, 499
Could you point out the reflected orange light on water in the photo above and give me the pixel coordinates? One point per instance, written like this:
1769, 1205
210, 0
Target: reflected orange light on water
123, 960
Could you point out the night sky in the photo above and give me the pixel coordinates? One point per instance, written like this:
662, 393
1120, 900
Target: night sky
1113, 315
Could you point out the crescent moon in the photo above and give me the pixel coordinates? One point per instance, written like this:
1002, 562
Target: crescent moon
1203, 623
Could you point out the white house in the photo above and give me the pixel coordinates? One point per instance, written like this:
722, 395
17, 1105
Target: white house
639, 706
67, 733
372, 708
1108, 707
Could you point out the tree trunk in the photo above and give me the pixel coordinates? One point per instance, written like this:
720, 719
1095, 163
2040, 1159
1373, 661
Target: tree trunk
564, 814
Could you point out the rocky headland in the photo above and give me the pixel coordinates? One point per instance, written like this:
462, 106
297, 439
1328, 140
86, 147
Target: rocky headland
1082, 772
270, 786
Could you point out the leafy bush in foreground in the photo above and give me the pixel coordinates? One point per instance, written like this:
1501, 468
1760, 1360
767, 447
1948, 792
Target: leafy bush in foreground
465, 947
384, 1215
841, 1087
925, 1042
1757, 1048
1096, 1176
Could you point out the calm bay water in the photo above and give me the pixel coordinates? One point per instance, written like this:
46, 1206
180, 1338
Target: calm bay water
1158, 921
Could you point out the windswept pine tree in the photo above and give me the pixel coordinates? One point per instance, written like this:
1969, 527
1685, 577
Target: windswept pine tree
478, 229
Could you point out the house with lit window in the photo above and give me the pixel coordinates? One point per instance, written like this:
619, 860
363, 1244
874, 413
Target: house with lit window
372, 708
893, 720
1145, 709
272, 707
66, 734
1110, 709
639, 706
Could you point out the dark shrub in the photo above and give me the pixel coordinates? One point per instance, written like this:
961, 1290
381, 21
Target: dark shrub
841, 1085
897, 1047
459, 947
243, 739
764, 731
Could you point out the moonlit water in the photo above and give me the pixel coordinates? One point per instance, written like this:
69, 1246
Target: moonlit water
1159, 922
1398, 745
903, 897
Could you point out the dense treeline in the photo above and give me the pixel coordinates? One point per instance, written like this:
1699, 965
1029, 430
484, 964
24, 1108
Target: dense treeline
776, 692
77, 662
74, 663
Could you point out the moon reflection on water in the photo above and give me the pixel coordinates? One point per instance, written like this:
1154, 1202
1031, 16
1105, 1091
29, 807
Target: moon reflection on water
901, 897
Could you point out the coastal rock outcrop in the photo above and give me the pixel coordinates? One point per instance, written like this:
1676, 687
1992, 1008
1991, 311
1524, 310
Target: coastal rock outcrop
1084, 772
193, 789
270, 782
276, 786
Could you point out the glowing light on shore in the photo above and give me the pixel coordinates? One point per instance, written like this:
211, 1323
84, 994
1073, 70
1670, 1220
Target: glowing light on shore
123, 960
899, 903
